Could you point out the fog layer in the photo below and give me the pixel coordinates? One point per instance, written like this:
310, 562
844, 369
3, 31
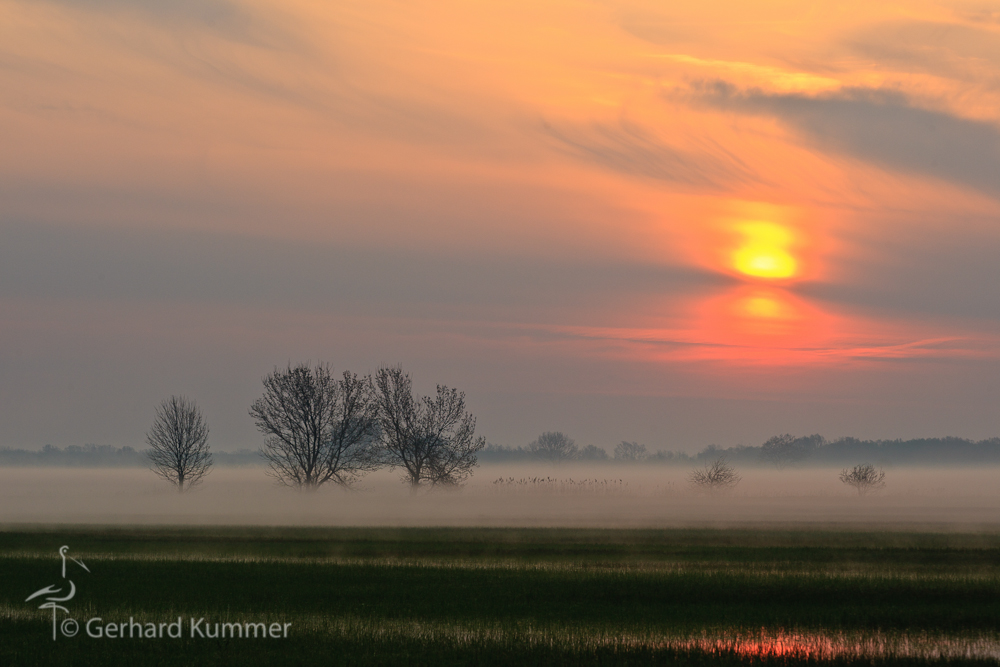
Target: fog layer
530, 495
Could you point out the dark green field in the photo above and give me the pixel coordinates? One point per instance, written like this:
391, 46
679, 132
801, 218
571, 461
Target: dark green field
511, 596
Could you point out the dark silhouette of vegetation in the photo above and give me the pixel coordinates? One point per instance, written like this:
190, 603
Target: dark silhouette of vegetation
431, 438
865, 478
784, 450
495, 453
318, 428
178, 443
662, 456
630, 451
816, 451
714, 476
593, 453
84, 456
92, 455
554, 446
845, 451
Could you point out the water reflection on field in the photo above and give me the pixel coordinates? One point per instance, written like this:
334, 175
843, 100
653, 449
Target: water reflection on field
821, 646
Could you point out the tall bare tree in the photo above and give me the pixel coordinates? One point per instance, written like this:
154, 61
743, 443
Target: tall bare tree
317, 428
178, 443
431, 438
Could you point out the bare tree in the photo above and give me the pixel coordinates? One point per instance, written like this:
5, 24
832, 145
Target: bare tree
785, 450
317, 428
865, 478
432, 439
630, 451
716, 475
554, 446
178, 443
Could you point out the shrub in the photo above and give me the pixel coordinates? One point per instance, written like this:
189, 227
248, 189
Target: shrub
716, 475
864, 477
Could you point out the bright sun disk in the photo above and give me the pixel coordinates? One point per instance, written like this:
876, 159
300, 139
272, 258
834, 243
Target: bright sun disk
764, 253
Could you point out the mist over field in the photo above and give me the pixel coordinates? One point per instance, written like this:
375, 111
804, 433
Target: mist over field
530, 495
442, 332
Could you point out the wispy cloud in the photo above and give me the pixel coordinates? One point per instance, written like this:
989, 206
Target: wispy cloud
778, 78
230, 18
882, 127
953, 50
630, 149
920, 272
686, 345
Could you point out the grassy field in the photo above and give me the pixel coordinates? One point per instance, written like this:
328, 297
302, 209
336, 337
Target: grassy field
511, 596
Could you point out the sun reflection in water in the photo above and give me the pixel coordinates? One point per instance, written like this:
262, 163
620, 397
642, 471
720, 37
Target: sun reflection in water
819, 646
758, 323
752, 310
763, 306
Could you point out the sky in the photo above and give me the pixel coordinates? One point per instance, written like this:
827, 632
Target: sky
679, 224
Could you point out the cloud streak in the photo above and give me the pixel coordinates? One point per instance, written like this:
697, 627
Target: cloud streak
693, 346
223, 16
881, 127
628, 148
951, 50
65, 262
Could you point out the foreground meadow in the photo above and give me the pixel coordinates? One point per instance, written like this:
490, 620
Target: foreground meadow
510, 596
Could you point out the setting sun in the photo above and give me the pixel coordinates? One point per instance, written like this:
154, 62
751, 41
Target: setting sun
764, 252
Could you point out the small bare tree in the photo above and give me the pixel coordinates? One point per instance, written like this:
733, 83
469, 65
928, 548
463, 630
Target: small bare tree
318, 429
432, 439
715, 475
630, 451
178, 443
865, 478
554, 446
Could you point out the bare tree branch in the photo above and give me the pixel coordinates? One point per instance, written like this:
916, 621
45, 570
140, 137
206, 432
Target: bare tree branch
432, 438
317, 429
178, 442
865, 478
716, 475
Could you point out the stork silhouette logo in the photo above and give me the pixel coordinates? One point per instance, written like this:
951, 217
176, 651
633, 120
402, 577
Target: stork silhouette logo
55, 594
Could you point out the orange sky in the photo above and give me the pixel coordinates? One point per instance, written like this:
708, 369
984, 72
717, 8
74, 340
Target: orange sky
565, 204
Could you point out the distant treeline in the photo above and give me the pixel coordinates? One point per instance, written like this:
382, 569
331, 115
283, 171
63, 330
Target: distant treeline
779, 451
106, 456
